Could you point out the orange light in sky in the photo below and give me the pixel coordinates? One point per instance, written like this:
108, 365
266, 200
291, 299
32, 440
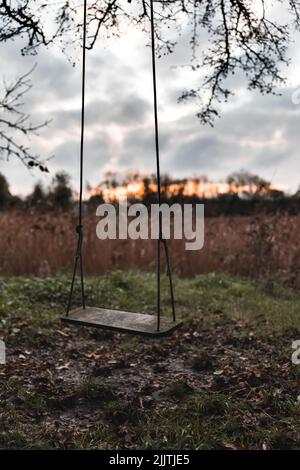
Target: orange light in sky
199, 187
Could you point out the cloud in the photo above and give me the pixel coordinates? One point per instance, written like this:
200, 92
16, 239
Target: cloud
200, 154
258, 133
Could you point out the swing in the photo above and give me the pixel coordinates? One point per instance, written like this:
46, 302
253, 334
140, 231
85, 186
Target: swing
117, 320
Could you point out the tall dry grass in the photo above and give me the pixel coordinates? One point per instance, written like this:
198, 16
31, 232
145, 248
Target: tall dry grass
44, 244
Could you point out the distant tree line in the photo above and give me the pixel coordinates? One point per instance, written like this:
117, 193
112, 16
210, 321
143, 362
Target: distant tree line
260, 196
59, 195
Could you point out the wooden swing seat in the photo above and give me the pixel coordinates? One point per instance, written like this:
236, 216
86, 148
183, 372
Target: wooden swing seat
116, 320
123, 322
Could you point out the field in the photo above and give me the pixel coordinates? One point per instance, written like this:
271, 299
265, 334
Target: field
264, 246
225, 380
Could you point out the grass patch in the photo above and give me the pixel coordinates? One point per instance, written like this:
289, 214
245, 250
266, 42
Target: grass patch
120, 412
210, 297
94, 390
178, 390
224, 380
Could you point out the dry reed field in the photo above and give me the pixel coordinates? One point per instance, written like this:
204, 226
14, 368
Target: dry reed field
44, 244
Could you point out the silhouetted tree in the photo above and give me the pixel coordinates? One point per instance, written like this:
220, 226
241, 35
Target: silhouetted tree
254, 183
60, 195
5, 196
147, 189
165, 181
94, 201
38, 197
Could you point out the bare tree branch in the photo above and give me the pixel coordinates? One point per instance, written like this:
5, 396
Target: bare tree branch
243, 36
14, 124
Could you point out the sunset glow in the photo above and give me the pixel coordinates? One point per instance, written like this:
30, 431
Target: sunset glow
200, 187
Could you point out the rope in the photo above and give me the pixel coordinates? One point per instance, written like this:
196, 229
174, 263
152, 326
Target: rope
79, 227
155, 103
161, 239
82, 111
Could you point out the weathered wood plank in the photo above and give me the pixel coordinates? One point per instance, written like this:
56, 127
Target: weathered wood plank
124, 322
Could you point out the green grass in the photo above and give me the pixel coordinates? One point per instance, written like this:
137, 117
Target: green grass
205, 422
213, 421
206, 296
93, 389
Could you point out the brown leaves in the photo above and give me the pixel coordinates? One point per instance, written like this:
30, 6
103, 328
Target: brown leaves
76, 385
63, 366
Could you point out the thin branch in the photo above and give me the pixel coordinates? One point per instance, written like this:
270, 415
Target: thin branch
15, 123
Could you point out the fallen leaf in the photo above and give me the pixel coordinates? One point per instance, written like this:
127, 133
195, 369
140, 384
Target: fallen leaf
65, 366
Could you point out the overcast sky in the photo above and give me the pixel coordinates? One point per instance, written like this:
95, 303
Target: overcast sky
255, 133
